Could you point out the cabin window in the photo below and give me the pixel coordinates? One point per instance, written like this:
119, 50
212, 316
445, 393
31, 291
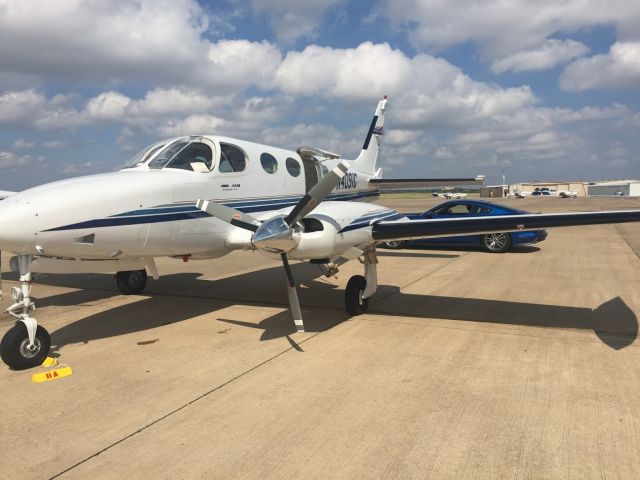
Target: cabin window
293, 167
269, 163
232, 158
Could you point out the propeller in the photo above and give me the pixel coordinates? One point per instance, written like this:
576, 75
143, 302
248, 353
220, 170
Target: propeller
228, 214
276, 234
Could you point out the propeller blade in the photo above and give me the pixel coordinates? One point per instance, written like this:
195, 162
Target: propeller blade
319, 191
294, 303
228, 214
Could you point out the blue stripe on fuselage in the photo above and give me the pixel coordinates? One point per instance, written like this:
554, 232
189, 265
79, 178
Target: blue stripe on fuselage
188, 211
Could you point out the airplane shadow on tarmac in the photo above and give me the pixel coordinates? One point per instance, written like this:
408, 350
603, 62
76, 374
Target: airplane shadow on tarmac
179, 297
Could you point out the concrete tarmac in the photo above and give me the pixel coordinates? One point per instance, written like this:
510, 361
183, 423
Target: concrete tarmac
467, 365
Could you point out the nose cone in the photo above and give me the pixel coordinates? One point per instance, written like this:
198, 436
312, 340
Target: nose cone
18, 226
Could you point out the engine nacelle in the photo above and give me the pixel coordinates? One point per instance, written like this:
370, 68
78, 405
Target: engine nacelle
321, 240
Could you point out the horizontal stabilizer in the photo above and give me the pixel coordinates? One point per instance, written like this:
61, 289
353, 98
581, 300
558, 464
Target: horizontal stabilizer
392, 183
439, 227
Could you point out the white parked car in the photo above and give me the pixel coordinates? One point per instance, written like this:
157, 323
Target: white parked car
567, 194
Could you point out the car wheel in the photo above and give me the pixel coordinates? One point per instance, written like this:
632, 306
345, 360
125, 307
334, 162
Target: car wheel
394, 244
496, 242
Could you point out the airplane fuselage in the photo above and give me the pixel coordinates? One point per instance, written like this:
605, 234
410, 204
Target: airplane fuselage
144, 211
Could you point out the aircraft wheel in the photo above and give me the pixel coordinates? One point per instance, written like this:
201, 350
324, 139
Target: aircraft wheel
356, 305
15, 351
496, 242
131, 282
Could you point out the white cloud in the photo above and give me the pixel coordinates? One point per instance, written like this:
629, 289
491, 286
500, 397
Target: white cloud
82, 168
158, 42
108, 106
293, 19
16, 108
326, 137
426, 89
192, 125
54, 144
366, 71
173, 100
620, 68
9, 160
21, 143
234, 63
553, 52
32, 110
501, 29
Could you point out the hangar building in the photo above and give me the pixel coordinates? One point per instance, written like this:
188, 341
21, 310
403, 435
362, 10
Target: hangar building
628, 188
579, 187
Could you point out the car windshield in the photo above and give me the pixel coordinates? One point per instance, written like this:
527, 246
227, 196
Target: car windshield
143, 155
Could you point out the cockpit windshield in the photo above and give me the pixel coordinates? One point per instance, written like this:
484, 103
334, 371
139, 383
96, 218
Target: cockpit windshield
184, 153
143, 155
169, 152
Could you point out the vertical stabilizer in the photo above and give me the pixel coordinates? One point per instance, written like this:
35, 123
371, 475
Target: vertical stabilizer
368, 159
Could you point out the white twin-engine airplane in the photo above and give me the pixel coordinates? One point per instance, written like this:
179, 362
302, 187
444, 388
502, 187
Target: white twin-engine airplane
201, 197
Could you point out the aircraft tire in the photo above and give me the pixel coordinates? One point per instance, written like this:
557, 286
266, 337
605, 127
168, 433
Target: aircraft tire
14, 351
131, 282
356, 305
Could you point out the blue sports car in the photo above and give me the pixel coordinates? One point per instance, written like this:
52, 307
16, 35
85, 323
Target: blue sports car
489, 242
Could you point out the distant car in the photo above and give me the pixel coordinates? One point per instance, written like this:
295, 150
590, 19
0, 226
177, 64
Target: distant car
567, 194
544, 192
540, 193
489, 242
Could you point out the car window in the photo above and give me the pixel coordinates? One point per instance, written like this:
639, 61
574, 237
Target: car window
440, 210
459, 209
479, 210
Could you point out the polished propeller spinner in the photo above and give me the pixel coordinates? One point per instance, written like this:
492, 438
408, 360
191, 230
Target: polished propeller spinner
278, 234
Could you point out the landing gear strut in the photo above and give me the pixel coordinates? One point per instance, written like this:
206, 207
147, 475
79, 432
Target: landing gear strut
26, 344
360, 289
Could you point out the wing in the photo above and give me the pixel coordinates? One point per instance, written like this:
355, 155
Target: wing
407, 228
397, 183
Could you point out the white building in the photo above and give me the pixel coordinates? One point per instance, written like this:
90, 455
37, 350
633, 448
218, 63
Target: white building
627, 188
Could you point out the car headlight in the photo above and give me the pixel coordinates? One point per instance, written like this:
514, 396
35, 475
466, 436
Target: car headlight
16, 294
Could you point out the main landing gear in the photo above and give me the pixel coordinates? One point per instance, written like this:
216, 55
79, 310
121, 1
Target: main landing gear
26, 344
360, 289
131, 282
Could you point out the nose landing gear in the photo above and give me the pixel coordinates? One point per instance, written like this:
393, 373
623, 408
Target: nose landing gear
18, 352
26, 344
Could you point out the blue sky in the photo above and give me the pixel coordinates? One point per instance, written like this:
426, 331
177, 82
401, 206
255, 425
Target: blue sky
540, 89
